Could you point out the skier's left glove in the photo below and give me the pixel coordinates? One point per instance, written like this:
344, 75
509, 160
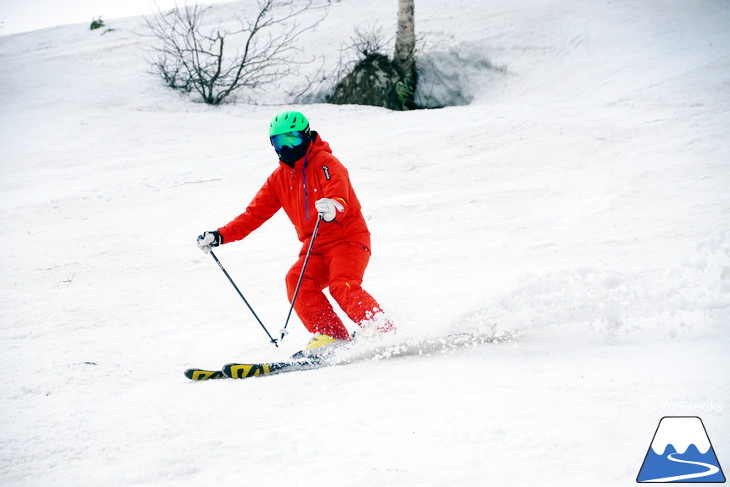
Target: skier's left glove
208, 240
328, 208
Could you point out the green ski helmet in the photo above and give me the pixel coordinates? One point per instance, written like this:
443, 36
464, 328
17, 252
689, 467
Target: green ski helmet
286, 122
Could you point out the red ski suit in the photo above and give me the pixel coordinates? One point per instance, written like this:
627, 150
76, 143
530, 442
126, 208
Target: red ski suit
341, 250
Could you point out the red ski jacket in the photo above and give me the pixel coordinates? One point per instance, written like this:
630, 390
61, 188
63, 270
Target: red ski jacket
317, 175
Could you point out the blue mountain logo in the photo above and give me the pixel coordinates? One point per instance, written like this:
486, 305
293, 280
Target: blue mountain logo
681, 452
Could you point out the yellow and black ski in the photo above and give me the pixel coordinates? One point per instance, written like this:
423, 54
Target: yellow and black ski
245, 371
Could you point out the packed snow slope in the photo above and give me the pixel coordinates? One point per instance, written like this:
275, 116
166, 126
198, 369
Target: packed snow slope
577, 198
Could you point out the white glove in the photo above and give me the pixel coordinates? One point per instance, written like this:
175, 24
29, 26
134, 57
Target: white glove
208, 240
328, 208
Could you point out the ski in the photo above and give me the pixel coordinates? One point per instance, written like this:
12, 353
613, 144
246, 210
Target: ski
245, 371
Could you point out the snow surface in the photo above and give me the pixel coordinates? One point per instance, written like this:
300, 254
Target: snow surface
577, 197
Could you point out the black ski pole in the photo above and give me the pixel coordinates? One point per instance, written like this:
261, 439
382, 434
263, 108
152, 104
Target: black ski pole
301, 276
244, 299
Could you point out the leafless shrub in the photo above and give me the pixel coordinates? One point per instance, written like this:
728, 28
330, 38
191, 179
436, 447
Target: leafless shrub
317, 86
193, 59
368, 41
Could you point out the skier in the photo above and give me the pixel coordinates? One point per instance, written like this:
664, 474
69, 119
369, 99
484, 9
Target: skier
310, 183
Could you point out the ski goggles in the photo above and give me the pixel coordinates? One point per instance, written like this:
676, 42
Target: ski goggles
289, 139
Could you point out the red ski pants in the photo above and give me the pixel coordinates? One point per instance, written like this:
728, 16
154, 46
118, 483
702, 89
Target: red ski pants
341, 268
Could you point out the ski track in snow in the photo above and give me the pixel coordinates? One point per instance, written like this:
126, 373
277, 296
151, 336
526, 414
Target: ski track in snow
575, 197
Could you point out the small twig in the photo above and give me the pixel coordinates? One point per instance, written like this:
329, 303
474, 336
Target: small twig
197, 182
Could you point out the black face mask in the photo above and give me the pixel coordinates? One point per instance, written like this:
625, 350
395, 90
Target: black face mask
290, 156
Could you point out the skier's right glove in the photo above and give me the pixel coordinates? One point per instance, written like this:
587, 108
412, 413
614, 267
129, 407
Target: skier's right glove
328, 208
208, 240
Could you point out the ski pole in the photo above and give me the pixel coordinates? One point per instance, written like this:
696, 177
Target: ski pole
301, 276
244, 299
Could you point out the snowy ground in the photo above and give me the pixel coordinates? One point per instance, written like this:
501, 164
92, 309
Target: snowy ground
580, 200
